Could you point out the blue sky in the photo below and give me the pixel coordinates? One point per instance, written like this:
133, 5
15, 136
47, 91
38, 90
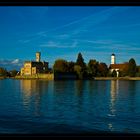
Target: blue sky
63, 31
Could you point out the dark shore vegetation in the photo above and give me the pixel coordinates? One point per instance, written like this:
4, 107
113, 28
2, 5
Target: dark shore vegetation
93, 68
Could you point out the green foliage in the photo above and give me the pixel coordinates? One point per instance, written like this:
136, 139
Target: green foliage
132, 69
78, 70
83, 68
96, 69
60, 65
109, 74
114, 73
80, 61
71, 66
93, 67
102, 70
3, 72
137, 74
138, 71
13, 73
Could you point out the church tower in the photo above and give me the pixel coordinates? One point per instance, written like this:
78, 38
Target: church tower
38, 55
113, 59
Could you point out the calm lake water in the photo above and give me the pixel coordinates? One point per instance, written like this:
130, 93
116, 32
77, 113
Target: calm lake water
52, 107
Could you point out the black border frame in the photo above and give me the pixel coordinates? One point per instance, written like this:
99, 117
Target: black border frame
71, 3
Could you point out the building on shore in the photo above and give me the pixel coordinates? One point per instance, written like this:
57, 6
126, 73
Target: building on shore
34, 67
117, 67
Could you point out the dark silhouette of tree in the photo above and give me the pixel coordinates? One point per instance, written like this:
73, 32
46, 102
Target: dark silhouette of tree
132, 68
13, 73
83, 69
60, 65
93, 67
102, 69
78, 71
114, 73
3, 72
80, 61
138, 71
71, 66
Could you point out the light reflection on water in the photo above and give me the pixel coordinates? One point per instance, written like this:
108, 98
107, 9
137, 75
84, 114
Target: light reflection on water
70, 106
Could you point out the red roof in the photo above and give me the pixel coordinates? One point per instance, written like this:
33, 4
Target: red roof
119, 66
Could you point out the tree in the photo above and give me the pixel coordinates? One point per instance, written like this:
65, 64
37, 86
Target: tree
114, 73
93, 67
125, 71
3, 72
71, 66
138, 71
60, 65
80, 61
132, 68
82, 64
78, 71
13, 73
102, 69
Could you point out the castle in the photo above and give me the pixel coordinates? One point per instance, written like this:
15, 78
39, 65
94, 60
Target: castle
34, 67
117, 67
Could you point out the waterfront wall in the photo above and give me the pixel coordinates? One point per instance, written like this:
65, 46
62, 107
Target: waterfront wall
65, 76
37, 76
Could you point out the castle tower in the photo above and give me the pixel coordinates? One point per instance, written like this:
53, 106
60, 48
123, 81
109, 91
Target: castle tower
38, 56
113, 59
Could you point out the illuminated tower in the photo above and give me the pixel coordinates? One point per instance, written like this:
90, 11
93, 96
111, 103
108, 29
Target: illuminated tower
113, 59
38, 55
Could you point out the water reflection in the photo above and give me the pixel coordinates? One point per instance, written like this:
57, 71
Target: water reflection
79, 87
79, 92
32, 92
60, 87
114, 87
113, 95
112, 106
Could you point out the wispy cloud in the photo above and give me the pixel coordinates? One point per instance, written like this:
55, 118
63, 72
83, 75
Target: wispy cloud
52, 44
16, 61
103, 42
62, 36
24, 41
76, 27
11, 64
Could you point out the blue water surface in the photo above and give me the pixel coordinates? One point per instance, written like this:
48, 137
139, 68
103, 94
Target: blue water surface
69, 107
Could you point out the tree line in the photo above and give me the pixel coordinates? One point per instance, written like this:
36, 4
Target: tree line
90, 70
5, 73
93, 68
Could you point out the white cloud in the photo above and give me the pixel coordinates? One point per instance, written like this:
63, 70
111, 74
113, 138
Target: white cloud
11, 64
16, 61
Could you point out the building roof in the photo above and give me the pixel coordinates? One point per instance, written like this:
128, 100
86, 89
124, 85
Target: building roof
113, 54
119, 66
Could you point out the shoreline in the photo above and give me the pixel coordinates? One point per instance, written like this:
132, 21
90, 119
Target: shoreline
2, 78
51, 79
117, 78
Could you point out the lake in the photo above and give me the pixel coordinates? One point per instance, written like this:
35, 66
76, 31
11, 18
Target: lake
69, 107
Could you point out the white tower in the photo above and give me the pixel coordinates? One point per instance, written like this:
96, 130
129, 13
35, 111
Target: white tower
38, 54
113, 59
